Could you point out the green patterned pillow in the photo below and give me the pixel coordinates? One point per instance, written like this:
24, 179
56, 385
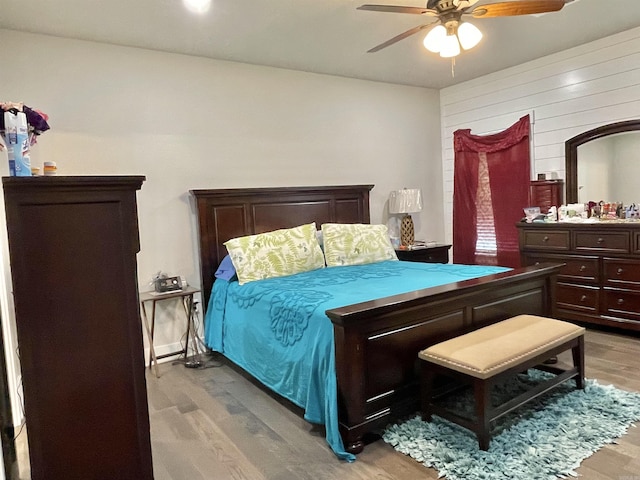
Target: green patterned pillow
275, 254
356, 244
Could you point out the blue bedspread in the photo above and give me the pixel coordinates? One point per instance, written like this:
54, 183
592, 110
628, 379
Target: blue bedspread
277, 330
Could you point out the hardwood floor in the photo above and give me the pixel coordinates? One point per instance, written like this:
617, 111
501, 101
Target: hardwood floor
214, 423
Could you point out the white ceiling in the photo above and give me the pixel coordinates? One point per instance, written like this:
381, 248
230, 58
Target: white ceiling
322, 36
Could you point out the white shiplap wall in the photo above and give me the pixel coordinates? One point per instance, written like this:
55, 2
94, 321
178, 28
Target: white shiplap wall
566, 93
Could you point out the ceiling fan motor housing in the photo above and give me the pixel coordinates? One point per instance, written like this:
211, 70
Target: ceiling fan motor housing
441, 5
451, 20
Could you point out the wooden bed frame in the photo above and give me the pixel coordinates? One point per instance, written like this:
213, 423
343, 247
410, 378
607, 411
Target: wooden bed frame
376, 342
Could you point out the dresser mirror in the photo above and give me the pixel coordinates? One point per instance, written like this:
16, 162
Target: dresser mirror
603, 164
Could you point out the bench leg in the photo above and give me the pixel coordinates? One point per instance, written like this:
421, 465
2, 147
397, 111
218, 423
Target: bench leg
577, 353
426, 390
482, 390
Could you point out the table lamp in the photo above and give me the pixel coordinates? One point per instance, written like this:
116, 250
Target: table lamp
406, 201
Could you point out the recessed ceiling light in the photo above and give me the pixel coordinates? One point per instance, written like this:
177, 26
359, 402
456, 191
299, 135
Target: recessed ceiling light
197, 6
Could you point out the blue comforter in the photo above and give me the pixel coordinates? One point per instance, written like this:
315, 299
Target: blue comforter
277, 330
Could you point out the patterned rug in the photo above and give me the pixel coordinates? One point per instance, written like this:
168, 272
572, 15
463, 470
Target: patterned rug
545, 439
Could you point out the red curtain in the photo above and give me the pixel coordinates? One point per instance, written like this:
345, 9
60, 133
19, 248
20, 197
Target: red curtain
490, 189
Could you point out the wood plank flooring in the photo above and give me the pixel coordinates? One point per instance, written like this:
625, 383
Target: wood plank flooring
215, 423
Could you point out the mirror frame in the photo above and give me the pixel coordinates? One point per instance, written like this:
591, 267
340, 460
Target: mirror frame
571, 152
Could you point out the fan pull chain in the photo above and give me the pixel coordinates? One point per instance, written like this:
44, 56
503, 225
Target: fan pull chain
453, 67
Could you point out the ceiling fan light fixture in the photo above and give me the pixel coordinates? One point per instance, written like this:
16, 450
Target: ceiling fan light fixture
435, 38
469, 35
450, 46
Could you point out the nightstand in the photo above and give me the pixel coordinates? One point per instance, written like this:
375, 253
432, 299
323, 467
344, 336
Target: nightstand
186, 298
439, 253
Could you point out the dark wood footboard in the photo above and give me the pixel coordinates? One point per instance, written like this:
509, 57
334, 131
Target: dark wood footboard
377, 342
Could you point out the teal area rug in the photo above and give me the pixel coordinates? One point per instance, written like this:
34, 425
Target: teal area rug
545, 439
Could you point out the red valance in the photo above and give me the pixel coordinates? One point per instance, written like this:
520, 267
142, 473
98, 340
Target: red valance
463, 140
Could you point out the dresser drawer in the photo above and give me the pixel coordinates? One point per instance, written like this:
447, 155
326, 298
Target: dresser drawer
575, 269
636, 243
546, 239
621, 273
575, 297
602, 241
621, 303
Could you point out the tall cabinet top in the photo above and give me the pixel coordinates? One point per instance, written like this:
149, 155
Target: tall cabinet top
73, 182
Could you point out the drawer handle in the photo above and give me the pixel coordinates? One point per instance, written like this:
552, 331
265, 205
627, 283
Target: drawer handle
619, 272
620, 301
545, 239
600, 240
583, 268
583, 298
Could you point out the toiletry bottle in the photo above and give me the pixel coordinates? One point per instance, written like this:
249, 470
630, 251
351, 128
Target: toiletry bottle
562, 213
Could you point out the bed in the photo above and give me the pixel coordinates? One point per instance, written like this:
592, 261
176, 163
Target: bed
375, 342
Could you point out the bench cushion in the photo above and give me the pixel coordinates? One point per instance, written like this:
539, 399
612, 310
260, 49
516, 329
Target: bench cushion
490, 350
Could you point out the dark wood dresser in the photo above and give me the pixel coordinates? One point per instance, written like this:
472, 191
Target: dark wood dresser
600, 280
546, 193
73, 243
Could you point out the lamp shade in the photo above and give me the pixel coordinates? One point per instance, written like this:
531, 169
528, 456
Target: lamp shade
435, 37
407, 200
450, 46
469, 35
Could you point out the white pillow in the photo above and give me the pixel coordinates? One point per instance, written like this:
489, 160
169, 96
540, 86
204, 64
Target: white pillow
356, 244
275, 254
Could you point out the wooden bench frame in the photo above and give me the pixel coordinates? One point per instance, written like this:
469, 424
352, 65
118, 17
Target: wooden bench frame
485, 412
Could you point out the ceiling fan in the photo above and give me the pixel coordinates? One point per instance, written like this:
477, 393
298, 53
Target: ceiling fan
450, 31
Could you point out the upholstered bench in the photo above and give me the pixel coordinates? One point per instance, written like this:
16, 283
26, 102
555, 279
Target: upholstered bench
490, 355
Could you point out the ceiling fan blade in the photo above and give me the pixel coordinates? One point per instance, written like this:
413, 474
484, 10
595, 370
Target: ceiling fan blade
522, 7
402, 36
398, 9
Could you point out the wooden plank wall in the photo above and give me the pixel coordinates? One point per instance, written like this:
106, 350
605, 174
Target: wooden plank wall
566, 93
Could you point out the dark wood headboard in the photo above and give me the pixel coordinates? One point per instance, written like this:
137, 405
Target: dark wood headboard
229, 213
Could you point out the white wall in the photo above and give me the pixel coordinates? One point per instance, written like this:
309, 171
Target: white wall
187, 123
566, 93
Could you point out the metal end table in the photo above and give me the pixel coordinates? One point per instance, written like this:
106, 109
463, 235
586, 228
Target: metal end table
186, 297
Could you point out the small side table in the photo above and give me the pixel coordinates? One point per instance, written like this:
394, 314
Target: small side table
438, 253
186, 297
